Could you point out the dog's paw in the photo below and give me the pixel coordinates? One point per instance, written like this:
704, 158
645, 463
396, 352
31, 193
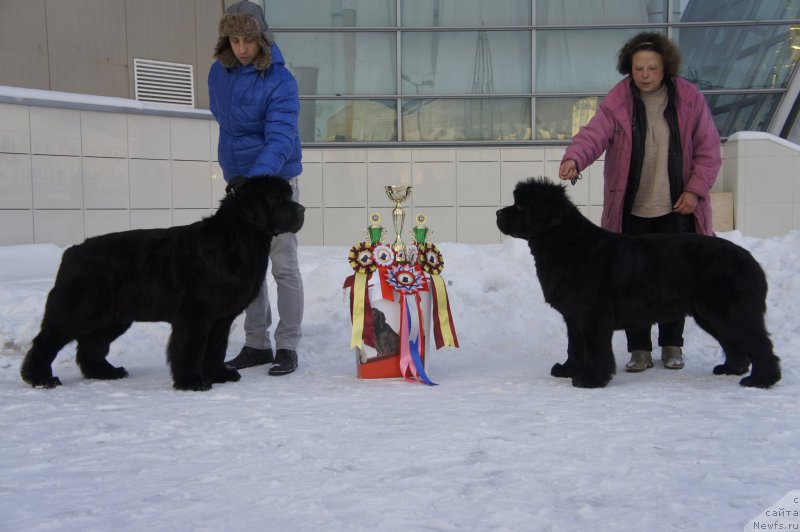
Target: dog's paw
104, 373
225, 374
47, 383
750, 382
726, 369
563, 371
586, 379
197, 384
761, 379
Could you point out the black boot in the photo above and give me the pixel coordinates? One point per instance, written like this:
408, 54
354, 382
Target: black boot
285, 362
249, 357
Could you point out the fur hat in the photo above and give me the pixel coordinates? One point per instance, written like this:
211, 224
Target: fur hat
244, 19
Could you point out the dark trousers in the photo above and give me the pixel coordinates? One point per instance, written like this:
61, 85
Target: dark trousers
670, 333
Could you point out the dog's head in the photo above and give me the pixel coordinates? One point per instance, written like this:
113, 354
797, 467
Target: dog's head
539, 205
266, 203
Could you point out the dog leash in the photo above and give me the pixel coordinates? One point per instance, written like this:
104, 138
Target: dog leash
576, 178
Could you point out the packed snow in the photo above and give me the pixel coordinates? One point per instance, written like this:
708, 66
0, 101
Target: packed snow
498, 445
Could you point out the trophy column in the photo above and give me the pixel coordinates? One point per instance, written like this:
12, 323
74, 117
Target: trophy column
398, 194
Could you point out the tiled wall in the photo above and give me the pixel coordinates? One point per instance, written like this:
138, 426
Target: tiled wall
458, 190
68, 174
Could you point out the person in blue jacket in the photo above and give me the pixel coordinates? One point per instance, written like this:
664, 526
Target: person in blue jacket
254, 98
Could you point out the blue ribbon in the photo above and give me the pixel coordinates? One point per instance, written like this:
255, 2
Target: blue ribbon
414, 348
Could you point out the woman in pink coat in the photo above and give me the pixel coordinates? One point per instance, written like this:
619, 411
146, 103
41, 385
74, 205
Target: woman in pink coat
662, 158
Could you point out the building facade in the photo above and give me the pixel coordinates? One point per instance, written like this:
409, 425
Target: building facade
459, 98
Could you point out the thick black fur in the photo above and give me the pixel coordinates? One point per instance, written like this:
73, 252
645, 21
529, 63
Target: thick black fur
197, 277
602, 281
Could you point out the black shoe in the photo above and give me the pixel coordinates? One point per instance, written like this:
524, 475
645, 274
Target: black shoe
249, 357
285, 362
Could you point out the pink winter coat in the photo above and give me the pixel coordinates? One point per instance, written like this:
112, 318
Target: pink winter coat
610, 131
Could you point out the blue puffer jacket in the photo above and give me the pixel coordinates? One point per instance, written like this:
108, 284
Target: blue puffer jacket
257, 115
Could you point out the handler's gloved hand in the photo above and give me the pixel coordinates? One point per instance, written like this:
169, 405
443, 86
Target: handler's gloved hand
234, 184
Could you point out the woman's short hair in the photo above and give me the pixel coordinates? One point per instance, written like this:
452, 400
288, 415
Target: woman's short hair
655, 42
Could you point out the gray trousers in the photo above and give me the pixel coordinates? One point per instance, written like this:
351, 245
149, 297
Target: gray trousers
286, 272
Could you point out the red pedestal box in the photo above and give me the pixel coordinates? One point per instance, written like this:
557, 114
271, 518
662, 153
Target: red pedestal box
382, 361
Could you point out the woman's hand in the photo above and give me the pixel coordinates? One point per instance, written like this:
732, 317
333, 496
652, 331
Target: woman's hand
686, 204
568, 170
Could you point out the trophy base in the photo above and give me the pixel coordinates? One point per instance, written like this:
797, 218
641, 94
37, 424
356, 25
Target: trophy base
385, 367
382, 361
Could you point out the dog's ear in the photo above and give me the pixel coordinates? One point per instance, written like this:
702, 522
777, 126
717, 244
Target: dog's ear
255, 205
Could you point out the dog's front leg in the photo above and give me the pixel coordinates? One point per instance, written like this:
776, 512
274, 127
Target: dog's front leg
185, 352
214, 361
598, 357
574, 363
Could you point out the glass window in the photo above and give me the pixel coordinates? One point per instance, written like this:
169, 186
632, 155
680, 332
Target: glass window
348, 120
579, 60
550, 12
718, 10
561, 118
467, 119
742, 112
466, 62
443, 13
330, 13
459, 81
739, 57
342, 63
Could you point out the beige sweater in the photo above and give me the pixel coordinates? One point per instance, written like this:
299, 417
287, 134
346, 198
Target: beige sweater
653, 197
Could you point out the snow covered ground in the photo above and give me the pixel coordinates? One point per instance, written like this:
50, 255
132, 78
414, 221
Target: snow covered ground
498, 445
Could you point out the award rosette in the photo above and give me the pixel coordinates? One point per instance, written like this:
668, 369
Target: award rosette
360, 258
397, 295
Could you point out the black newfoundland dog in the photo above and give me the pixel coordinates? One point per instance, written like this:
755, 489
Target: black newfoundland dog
197, 277
602, 281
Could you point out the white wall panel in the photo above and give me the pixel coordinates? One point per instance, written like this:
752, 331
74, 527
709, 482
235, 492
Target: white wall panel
151, 184
190, 140
477, 225
102, 221
16, 227
115, 170
310, 184
478, 183
150, 218
381, 174
148, 137
312, 233
15, 181
104, 134
55, 131
189, 216
57, 182
434, 183
344, 226
105, 183
344, 184
57, 226
191, 185
15, 129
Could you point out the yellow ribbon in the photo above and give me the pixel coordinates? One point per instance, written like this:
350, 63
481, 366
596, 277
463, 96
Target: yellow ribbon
441, 310
359, 290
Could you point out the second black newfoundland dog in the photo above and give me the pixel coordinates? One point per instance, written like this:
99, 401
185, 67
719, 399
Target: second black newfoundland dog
602, 281
197, 277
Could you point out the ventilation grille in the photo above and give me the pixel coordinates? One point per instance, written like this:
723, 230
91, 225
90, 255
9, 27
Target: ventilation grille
158, 81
